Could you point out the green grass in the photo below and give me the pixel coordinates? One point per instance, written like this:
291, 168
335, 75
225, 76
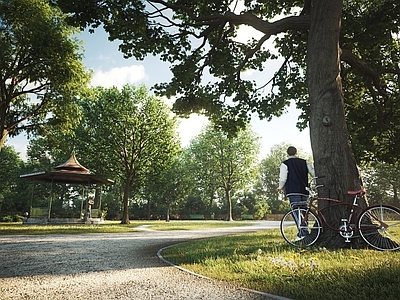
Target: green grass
262, 261
112, 227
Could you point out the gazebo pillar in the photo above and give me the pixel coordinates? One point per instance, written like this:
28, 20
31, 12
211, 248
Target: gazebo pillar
50, 201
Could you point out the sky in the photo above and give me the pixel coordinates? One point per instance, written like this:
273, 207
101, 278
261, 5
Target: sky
111, 69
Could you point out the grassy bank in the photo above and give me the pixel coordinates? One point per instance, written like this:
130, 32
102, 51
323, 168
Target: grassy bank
113, 227
262, 261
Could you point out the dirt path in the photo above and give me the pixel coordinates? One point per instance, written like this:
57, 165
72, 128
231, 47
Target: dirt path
107, 266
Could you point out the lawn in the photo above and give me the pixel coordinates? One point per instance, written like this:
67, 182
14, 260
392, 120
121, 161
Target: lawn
113, 227
262, 261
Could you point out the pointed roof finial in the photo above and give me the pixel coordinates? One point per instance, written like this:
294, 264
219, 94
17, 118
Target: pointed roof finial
72, 165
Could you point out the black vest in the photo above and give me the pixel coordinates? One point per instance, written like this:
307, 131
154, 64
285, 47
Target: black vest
297, 177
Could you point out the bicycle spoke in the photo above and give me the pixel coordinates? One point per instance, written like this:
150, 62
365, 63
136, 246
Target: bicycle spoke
379, 226
300, 228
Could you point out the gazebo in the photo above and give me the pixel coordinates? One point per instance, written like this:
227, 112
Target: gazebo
70, 172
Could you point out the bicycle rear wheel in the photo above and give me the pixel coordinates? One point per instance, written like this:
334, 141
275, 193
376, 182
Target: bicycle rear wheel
379, 226
309, 227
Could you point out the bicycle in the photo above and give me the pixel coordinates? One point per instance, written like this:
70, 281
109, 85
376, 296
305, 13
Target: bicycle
378, 225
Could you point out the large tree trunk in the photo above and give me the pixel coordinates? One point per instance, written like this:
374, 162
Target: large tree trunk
148, 209
330, 142
395, 195
168, 211
210, 203
3, 137
125, 212
97, 202
229, 205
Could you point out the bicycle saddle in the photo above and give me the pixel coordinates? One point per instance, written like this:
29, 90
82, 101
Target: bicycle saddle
362, 192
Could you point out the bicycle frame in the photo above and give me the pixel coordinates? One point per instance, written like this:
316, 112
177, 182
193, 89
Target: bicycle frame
348, 227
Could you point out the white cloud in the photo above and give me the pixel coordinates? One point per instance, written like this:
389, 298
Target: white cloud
118, 76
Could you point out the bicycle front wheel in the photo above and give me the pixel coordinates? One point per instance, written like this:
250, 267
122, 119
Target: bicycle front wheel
300, 228
379, 226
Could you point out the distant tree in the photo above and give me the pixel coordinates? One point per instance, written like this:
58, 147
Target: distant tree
41, 69
195, 203
382, 182
131, 134
203, 176
111, 202
261, 209
40, 155
250, 203
15, 200
230, 161
269, 176
170, 186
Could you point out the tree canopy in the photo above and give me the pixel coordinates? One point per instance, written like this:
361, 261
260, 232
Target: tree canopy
224, 163
199, 39
14, 197
131, 133
40, 68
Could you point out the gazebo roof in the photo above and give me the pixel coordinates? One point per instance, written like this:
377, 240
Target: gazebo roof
72, 165
69, 172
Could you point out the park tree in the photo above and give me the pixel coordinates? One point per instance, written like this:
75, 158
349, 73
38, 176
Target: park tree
170, 186
382, 181
229, 161
250, 205
203, 176
269, 177
131, 133
41, 68
14, 199
340, 64
40, 158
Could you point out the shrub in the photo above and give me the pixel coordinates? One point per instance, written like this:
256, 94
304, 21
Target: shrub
7, 219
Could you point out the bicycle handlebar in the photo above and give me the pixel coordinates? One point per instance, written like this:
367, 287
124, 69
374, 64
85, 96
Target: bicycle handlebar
312, 189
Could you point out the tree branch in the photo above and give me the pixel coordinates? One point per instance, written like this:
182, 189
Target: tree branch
289, 23
373, 75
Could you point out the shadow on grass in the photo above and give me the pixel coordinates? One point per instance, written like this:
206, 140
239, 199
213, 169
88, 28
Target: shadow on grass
262, 261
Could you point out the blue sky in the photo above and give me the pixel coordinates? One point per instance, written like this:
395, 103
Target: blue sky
111, 69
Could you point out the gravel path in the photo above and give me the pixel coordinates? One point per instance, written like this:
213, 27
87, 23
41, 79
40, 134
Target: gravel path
108, 266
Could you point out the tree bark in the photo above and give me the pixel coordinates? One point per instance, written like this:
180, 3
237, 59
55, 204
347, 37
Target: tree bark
3, 137
148, 209
330, 141
125, 212
229, 205
168, 212
395, 195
